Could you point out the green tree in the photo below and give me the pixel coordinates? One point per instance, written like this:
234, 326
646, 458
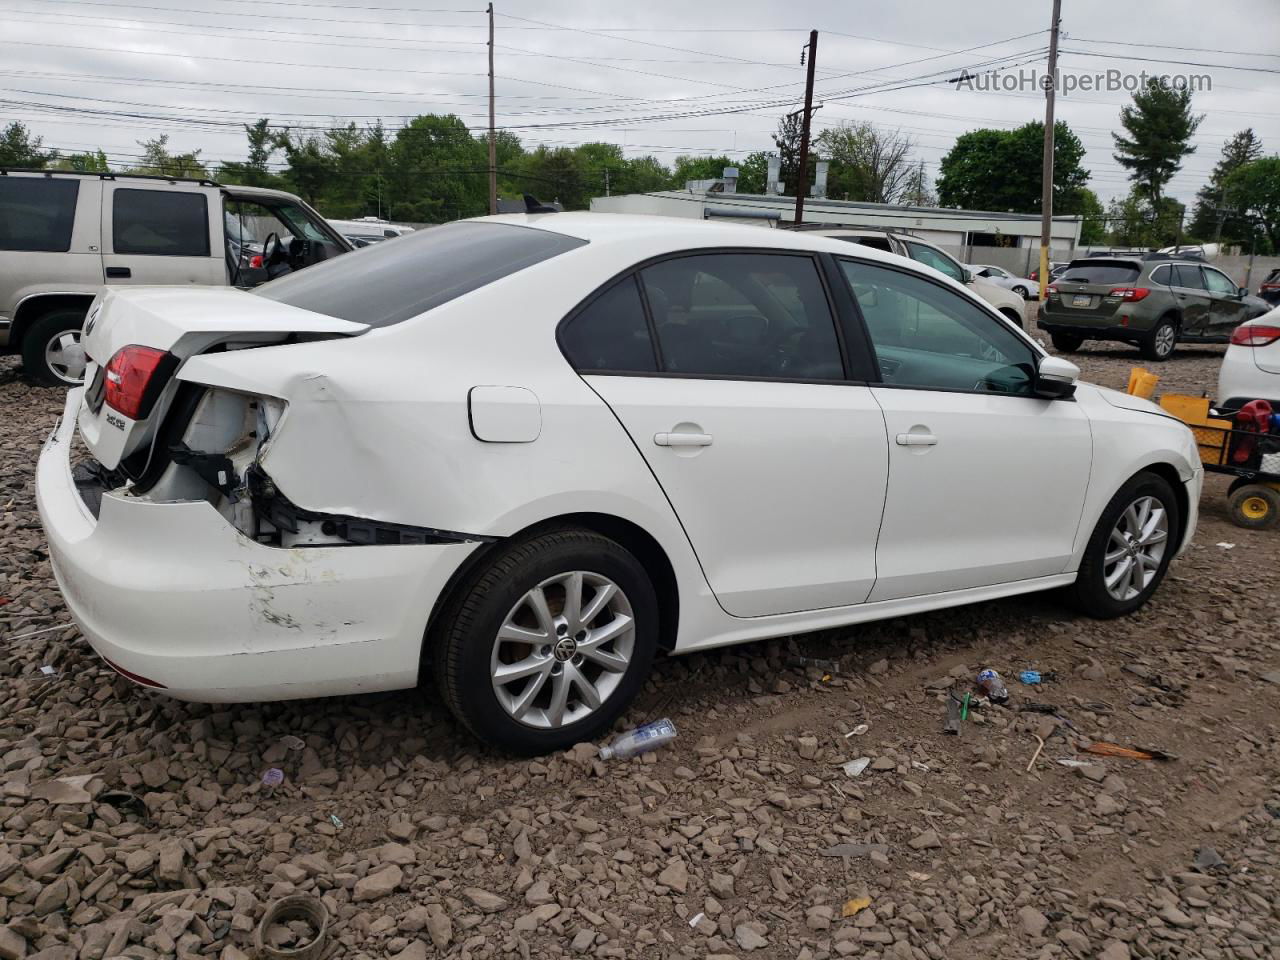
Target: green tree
752, 172
1093, 227
1158, 129
1001, 170
1136, 222
254, 171
438, 171
95, 162
158, 161
787, 140
1255, 189
917, 192
867, 163
1210, 220
19, 149
688, 168
311, 168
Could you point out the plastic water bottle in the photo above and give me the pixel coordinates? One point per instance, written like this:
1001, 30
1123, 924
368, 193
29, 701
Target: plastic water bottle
992, 686
640, 740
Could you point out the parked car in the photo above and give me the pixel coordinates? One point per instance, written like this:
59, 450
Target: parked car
1269, 288
1055, 271
1155, 302
64, 234
366, 230
914, 248
1001, 278
1251, 366
534, 451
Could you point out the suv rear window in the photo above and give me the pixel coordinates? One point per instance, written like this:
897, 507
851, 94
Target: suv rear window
387, 283
37, 213
1100, 271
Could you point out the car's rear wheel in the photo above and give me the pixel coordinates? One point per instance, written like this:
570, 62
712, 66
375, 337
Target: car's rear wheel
51, 352
1014, 317
1130, 549
1161, 341
1254, 506
1020, 291
1065, 342
547, 644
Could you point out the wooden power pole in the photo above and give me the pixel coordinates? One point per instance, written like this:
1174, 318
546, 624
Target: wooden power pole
493, 135
1046, 168
802, 178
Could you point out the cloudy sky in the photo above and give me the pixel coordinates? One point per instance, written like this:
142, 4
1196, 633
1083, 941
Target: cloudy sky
657, 77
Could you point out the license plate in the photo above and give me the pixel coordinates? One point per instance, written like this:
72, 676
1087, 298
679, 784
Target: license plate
1081, 300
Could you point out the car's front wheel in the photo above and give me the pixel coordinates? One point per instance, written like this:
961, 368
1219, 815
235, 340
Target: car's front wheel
1020, 291
547, 644
1129, 550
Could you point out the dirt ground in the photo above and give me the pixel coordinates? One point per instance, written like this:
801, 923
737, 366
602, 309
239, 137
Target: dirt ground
743, 838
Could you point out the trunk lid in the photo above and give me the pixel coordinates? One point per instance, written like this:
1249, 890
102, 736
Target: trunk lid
1084, 288
182, 322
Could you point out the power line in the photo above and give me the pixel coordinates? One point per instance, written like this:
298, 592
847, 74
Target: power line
1166, 46
1177, 63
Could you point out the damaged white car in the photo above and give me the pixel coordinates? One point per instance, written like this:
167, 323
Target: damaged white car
527, 453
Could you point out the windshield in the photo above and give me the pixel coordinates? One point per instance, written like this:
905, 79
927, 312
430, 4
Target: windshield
1100, 271
387, 283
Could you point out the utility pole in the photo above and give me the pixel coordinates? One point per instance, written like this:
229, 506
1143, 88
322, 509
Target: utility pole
606, 181
1046, 167
493, 135
802, 178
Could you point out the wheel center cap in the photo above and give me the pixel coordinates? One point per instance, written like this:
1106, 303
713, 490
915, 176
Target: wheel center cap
565, 649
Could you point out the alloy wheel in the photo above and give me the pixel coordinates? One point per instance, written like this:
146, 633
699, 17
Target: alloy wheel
1135, 548
64, 356
563, 649
1166, 337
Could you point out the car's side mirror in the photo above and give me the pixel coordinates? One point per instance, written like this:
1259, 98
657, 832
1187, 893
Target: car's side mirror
1242, 291
968, 276
1056, 378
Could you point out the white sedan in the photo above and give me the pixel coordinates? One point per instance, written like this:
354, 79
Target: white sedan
1003, 278
531, 452
1251, 366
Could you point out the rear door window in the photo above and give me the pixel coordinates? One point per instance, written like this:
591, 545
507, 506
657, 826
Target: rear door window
743, 315
37, 213
611, 334
1188, 276
385, 284
159, 223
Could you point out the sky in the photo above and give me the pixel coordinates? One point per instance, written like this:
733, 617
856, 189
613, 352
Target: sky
656, 77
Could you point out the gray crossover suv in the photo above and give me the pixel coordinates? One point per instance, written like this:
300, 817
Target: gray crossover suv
64, 234
1155, 301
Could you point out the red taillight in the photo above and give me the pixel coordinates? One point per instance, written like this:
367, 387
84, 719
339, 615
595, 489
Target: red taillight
135, 677
1050, 289
127, 376
1255, 336
1130, 293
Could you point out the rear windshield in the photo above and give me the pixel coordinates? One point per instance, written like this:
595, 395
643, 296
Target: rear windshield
37, 213
1100, 271
387, 283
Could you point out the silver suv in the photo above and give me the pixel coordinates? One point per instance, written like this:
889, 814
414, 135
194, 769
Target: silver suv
64, 234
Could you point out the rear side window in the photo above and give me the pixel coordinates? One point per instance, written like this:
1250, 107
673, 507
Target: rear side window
611, 333
940, 262
743, 315
1188, 276
1100, 271
160, 223
37, 213
387, 283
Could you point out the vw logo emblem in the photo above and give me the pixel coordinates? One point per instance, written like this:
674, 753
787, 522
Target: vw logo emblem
565, 648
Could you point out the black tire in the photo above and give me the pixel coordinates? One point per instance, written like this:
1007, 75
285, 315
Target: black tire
38, 337
1254, 506
1065, 342
1089, 593
464, 639
1161, 342
1014, 318
1021, 291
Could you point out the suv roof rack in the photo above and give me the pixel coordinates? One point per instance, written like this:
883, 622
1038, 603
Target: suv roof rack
872, 228
1185, 255
203, 181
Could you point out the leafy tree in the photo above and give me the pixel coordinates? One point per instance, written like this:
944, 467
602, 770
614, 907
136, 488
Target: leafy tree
311, 168
95, 162
255, 170
787, 139
1093, 228
1207, 223
158, 161
867, 163
1255, 188
753, 171
698, 168
19, 149
1002, 170
1136, 222
438, 171
1159, 126
917, 192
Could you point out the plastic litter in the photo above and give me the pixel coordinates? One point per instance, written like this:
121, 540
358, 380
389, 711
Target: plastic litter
273, 777
333, 818
36, 633
826, 666
855, 767
290, 742
1069, 762
851, 907
696, 919
858, 731
298, 907
49, 671
1030, 677
956, 708
1226, 546
1207, 860
640, 740
992, 686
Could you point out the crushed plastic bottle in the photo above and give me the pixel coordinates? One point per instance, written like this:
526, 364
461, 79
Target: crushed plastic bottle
992, 686
640, 740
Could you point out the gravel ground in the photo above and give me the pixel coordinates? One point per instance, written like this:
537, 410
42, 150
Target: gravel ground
134, 826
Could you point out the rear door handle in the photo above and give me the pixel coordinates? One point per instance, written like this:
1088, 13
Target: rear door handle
916, 440
119, 273
682, 439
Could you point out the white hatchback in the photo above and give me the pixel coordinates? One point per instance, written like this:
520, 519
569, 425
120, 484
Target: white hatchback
1251, 366
533, 451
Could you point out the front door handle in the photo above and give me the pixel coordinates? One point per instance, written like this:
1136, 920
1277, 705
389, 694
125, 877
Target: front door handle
119, 273
682, 439
916, 440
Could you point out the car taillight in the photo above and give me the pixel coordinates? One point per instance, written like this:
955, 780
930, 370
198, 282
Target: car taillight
1255, 336
129, 375
1051, 289
1130, 293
